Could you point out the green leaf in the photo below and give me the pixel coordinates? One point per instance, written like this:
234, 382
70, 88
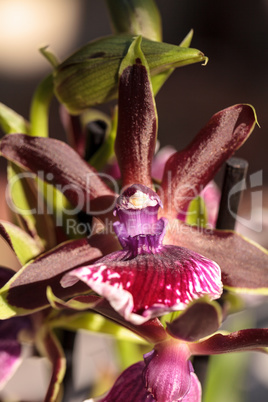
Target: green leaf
23, 244
51, 58
197, 213
12, 122
186, 42
40, 108
159, 79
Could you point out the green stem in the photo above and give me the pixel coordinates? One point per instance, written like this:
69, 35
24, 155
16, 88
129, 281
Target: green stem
40, 106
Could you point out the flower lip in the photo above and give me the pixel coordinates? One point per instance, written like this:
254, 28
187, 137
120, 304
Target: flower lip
137, 197
137, 209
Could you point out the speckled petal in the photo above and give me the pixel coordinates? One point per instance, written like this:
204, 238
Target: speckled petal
150, 285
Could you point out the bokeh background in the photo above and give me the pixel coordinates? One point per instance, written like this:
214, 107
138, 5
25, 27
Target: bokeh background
233, 34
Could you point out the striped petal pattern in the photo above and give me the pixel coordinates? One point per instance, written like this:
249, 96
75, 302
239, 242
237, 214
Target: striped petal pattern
150, 285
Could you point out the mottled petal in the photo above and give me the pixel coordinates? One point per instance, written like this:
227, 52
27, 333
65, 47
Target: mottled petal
128, 387
150, 284
137, 119
244, 264
167, 374
187, 172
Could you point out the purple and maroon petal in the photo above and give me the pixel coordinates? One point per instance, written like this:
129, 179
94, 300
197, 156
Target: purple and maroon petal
246, 339
150, 285
10, 347
128, 387
243, 263
137, 120
168, 371
60, 165
187, 172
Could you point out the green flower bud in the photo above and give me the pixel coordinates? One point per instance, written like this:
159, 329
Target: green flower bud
136, 17
90, 76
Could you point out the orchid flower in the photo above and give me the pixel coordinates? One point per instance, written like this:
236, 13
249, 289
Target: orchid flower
243, 268
167, 374
147, 277
141, 259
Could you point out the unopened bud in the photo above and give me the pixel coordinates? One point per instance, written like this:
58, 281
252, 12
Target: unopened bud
90, 76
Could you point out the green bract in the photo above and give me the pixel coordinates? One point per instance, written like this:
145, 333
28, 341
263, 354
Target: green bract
90, 76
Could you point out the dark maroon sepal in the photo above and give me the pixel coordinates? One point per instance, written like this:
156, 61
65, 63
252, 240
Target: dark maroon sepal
245, 339
27, 289
137, 123
58, 164
244, 264
187, 172
199, 320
